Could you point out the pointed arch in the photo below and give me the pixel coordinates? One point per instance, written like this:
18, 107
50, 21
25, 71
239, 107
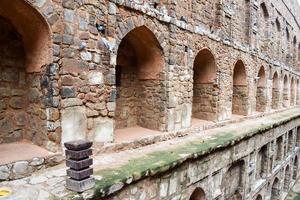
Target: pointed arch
140, 61
295, 168
36, 35
261, 99
293, 91
287, 178
275, 190
240, 89
198, 194
275, 91
286, 93
204, 87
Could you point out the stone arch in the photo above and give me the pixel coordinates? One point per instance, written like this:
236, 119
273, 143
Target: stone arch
287, 178
286, 101
290, 140
263, 29
275, 190
140, 62
279, 147
259, 197
204, 86
262, 162
261, 96
24, 49
278, 35
295, 168
198, 194
275, 91
36, 35
293, 91
240, 89
233, 181
132, 23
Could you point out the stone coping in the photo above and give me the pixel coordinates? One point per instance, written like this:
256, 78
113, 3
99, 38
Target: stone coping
164, 136
113, 178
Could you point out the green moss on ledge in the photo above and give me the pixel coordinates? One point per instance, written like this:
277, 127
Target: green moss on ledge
157, 162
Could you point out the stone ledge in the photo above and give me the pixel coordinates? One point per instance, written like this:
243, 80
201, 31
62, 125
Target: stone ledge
109, 181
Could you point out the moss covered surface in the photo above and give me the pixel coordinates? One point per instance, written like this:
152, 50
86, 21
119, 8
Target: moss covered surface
161, 161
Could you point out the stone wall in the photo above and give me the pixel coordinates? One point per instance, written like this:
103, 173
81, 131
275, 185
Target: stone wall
265, 165
261, 100
75, 52
239, 100
205, 98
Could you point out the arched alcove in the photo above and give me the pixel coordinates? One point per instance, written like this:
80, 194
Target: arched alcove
279, 148
263, 28
204, 88
275, 190
286, 101
139, 90
287, 178
275, 91
262, 162
295, 168
25, 46
290, 141
240, 89
293, 91
259, 197
198, 194
261, 96
233, 181
35, 35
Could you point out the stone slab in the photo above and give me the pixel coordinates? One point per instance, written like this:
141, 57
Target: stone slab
79, 164
78, 155
80, 186
81, 174
78, 145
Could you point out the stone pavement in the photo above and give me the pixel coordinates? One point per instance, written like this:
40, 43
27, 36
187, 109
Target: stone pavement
50, 183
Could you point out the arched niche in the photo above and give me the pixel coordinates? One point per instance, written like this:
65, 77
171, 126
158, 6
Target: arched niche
23, 111
286, 99
287, 178
198, 194
240, 89
34, 31
293, 91
204, 87
275, 190
233, 181
295, 168
139, 91
261, 99
275, 91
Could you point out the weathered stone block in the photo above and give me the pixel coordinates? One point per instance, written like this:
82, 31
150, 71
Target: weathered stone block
80, 186
81, 174
73, 124
78, 165
78, 145
78, 155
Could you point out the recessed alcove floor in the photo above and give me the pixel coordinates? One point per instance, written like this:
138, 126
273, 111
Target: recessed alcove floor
19, 151
133, 133
200, 123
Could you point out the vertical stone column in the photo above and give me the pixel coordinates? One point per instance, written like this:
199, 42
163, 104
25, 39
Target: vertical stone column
77, 158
